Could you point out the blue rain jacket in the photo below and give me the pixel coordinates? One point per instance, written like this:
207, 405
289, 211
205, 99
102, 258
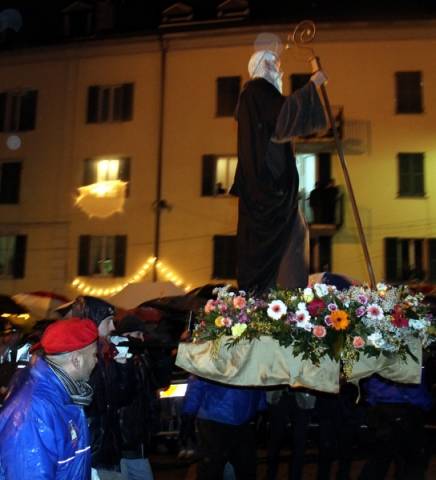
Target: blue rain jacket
222, 403
43, 435
379, 390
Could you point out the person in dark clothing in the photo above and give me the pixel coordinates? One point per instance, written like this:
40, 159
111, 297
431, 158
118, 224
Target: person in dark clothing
315, 202
136, 417
329, 195
396, 421
225, 430
272, 234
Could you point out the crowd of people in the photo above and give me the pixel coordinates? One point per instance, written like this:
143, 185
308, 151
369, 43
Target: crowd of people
87, 401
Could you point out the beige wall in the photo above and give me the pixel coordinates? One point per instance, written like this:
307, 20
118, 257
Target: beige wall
361, 72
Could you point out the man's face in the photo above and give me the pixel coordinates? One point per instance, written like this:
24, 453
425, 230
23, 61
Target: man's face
87, 359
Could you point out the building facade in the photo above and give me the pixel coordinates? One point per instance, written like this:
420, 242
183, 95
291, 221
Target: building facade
155, 112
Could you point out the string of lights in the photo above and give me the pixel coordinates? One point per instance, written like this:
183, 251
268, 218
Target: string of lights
109, 291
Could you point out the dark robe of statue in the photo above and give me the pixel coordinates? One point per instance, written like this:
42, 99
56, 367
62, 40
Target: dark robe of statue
271, 231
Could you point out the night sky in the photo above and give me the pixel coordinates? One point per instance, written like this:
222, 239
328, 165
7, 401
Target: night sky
43, 19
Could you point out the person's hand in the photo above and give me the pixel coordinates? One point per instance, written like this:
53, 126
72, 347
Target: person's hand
319, 78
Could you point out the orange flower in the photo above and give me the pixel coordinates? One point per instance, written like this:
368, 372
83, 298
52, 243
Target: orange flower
339, 319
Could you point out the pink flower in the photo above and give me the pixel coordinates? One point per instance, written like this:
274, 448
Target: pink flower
239, 302
319, 331
358, 342
222, 307
228, 322
374, 312
210, 306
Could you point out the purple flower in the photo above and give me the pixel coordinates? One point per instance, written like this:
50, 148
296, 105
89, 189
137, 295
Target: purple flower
363, 299
360, 311
291, 318
328, 320
243, 318
332, 307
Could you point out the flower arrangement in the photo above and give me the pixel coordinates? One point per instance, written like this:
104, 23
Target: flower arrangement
321, 320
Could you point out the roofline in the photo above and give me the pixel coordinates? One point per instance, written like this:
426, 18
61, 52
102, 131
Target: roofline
147, 42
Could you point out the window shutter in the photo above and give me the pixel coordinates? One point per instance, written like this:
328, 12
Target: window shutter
124, 173
20, 256
10, 182
83, 256
3, 98
324, 167
411, 174
127, 104
120, 255
88, 172
28, 111
224, 256
208, 175
325, 253
391, 266
227, 95
409, 92
418, 174
432, 259
92, 109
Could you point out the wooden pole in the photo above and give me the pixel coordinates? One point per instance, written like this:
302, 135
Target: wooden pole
316, 65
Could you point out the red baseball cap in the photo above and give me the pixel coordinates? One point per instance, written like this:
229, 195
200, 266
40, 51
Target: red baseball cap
68, 335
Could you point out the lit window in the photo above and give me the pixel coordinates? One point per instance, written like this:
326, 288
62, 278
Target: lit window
218, 174
100, 169
108, 170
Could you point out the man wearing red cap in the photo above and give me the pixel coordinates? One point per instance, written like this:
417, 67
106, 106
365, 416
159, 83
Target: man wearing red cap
43, 429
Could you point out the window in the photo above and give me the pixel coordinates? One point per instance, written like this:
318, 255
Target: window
411, 174
10, 174
103, 169
12, 255
218, 174
298, 80
410, 259
227, 95
110, 103
18, 110
408, 92
224, 256
103, 256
